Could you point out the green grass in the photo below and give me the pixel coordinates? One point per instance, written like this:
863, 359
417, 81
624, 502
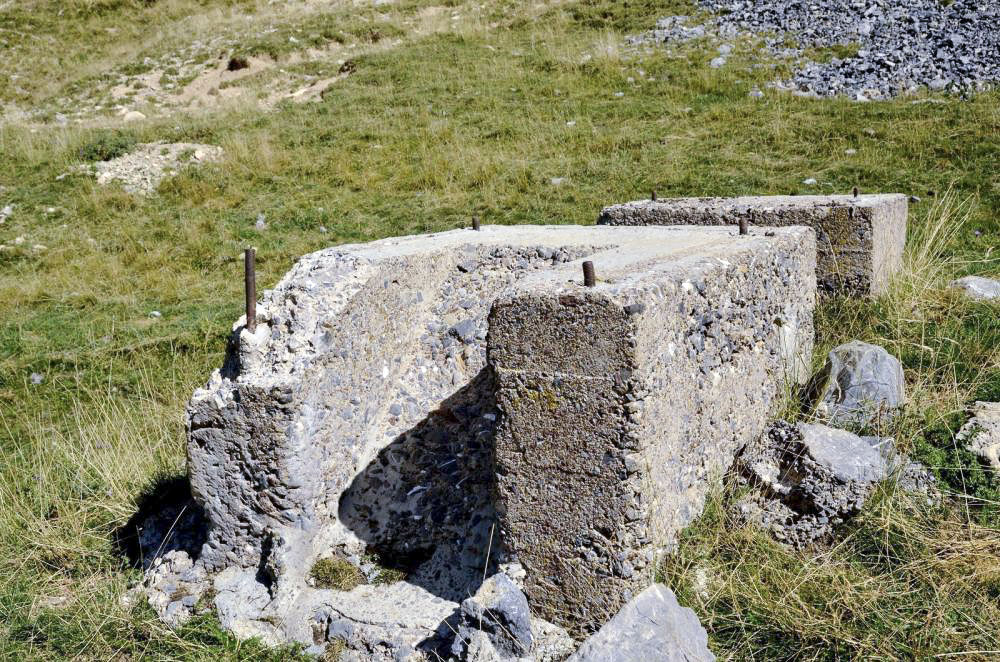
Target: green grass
418, 138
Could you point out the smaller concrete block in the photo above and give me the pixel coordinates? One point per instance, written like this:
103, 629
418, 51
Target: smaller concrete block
981, 434
978, 288
653, 626
860, 384
859, 240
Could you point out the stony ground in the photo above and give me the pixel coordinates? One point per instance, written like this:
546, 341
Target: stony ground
115, 305
864, 50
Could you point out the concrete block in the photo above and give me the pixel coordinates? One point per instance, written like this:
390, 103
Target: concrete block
361, 418
859, 239
622, 402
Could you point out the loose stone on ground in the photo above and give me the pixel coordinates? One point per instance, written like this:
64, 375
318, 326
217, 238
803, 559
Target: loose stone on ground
652, 626
978, 288
860, 385
981, 434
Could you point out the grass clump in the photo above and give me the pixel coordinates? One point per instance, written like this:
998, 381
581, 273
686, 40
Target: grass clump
336, 574
904, 581
106, 146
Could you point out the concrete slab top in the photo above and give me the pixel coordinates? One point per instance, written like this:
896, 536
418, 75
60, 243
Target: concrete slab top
764, 202
618, 251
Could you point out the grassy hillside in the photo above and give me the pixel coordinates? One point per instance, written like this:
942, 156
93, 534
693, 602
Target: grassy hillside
510, 112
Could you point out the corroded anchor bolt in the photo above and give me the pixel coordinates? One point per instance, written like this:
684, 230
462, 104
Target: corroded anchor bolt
744, 225
855, 191
654, 196
250, 287
588, 274
475, 223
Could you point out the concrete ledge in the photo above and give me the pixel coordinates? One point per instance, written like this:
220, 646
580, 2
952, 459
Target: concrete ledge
622, 402
859, 240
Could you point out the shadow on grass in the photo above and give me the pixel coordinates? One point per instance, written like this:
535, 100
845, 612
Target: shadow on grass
166, 519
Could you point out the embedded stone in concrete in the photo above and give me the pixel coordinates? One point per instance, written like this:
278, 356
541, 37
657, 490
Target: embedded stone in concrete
653, 626
621, 402
861, 384
859, 239
358, 421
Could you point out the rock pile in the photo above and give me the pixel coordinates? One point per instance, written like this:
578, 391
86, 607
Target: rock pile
892, 47
141, 170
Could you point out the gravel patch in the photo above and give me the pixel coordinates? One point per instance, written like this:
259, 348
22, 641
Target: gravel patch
142, 170
894, 47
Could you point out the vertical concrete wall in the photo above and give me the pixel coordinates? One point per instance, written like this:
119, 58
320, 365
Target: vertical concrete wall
622, 402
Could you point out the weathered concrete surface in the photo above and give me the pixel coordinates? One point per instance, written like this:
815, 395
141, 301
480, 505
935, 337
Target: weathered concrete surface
621, 402
859, 240
651, 627
360, 417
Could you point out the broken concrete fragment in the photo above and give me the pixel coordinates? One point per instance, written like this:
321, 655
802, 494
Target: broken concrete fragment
859, 239
807, 479
981, 434
621, 402
652, 626
978, 288
860, 385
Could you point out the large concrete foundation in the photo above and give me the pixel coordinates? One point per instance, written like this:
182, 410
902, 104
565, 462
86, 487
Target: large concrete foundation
361, 421
859, 239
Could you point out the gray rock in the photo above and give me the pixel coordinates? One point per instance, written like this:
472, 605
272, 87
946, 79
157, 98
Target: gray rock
718, 62
653, 626
981, 434
37, 378
550, 643
499, 611
978, 288
807, 479
860, 384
